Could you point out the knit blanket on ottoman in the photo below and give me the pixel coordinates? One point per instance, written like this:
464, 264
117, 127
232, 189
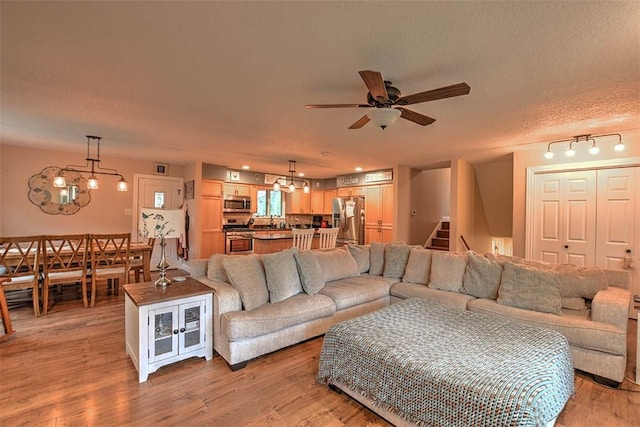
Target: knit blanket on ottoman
432, 365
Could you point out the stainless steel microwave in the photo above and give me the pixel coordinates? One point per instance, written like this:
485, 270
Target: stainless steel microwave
236, 204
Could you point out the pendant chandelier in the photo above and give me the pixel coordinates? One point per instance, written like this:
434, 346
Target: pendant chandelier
91, 168
291, 181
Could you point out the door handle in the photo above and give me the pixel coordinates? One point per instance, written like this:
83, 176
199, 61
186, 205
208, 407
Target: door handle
566, 246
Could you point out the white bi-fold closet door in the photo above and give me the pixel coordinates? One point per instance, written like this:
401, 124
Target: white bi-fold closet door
588, 218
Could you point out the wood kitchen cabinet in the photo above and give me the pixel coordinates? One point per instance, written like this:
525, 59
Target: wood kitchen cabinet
317, 202
328, 196
350, 191
379, 208
237, 189
298, 202
211, 187
212, 236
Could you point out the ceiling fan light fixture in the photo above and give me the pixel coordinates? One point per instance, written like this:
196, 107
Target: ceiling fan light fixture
384, 116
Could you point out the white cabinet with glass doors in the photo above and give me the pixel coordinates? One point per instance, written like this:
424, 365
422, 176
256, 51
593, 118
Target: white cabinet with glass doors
161, 331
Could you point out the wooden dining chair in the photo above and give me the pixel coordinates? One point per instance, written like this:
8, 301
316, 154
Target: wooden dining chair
136, 265
4, 308
302, 238
64, 262
20, 261
109, 261
328, 237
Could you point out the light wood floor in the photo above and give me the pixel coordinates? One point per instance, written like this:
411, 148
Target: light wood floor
69, 368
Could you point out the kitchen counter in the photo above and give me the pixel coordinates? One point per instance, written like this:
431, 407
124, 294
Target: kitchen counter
267, 242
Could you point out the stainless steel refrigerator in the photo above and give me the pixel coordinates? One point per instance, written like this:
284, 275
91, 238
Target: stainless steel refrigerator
348, 216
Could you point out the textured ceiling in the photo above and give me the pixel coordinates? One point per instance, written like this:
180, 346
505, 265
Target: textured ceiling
226, 82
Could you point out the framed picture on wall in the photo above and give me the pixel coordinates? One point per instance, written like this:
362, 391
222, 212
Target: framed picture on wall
188, 190
161, 168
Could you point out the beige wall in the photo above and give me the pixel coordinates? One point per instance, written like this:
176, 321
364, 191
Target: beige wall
105, 213
534, 157
495, 181
402, 196
467, 213
430, 198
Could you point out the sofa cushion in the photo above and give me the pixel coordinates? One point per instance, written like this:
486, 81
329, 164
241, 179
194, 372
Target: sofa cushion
357, 290
268, 318
336, 264
215, 269
376, 266
447, 271
576, 326
406, 290
418, 269
281, 273
361, 253
246, 274
311, 277
573, 303
482, 276
530, 288
395, 260
582, 282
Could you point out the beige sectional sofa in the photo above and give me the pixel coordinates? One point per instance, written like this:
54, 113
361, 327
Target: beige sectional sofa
264, 303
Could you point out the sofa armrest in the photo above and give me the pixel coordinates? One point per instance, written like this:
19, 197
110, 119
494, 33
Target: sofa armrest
611, 305
197, 267
225, 297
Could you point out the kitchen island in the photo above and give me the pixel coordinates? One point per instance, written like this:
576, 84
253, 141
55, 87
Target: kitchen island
267, 242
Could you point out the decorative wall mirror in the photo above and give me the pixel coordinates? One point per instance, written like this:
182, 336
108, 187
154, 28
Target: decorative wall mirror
58, 201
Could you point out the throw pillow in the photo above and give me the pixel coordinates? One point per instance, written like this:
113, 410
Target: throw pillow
311, 276
530, 288
361, 253
583, 282
395, 260
281, 273
336, 264
418, 267
376, 267
447, 271
246, 274
215, 269
482, 276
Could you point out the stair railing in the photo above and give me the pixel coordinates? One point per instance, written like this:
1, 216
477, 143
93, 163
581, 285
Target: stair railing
466, 245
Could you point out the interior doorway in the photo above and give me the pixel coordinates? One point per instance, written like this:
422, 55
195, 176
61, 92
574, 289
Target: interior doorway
150, 191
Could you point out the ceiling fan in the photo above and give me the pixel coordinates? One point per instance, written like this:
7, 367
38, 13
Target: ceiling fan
387, 103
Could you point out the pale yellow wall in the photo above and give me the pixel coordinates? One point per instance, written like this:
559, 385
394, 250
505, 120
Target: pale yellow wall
193, 171
104, 214
495, 181
430, 198
467, 214
534, 157
402, 196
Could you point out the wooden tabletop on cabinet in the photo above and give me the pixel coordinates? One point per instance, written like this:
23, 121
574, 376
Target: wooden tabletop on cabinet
147, 293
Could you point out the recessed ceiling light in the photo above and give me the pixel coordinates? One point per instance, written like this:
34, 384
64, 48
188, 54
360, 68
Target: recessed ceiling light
358, 169
300, 174
245, 167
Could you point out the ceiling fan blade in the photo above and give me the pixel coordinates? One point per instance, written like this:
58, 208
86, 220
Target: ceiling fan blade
310, 106
432, 95
415, 117
375, 84
361, 122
